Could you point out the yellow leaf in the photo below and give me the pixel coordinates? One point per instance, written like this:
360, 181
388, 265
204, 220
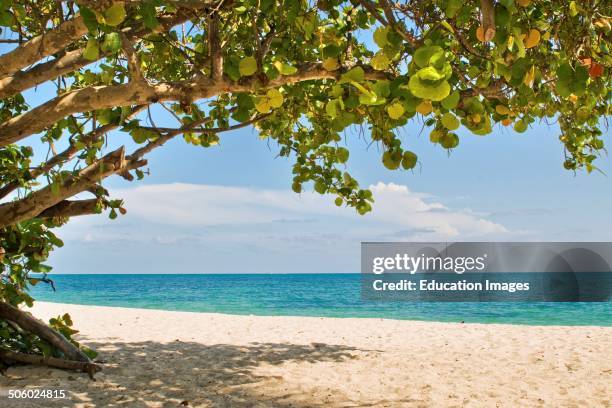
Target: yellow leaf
529, 76
395, 110
330, 64
502, 109
263, 106
533, 38
275, 98
523, 3
380, 61
424, 108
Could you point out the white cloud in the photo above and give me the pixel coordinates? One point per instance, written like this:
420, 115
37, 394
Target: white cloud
206, 228
180, 209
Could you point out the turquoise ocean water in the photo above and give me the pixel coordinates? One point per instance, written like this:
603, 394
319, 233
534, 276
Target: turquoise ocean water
326, 295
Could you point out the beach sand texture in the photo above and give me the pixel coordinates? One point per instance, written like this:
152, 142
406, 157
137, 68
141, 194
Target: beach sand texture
162, 359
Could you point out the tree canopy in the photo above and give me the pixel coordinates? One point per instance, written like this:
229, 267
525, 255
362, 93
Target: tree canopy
299, 72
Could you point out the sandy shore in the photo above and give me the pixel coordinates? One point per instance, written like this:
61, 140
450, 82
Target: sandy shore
162, 359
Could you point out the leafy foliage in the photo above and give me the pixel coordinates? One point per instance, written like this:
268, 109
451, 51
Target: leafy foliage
302, 75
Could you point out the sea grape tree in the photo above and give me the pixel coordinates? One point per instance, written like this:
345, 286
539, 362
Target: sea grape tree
299, 72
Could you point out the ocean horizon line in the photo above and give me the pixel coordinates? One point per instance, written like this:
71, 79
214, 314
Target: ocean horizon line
51, 274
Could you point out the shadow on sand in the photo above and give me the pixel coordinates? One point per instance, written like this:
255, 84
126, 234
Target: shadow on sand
151, 374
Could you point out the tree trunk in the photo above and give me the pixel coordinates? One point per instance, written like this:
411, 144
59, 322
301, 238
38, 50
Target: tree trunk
30, 324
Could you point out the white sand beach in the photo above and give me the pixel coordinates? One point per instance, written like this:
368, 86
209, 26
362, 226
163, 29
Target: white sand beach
171, 359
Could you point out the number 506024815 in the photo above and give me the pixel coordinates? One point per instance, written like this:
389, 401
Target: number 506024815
36, 394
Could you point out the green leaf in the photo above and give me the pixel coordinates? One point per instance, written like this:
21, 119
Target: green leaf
91, 51
141, 135
451, 101
342, 155
520, 126
89, 18
392, 159
331, 108
111, 43
409, 160
149, 15
89, 352
423, 55
105, 116
285, 69
450, 121
570, 81
381, 88
449, 140
519, 42
356, 74
380, 61
230, 67
115, 14
331, 51
248, 66
245, 101
320, 186
428, 83
6, 18
380, 36
452, 7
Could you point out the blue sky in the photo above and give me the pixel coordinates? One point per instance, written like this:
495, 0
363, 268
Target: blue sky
230, 209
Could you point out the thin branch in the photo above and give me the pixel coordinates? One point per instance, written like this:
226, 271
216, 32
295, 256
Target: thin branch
67, 155
214, 45
132, 58
195, 127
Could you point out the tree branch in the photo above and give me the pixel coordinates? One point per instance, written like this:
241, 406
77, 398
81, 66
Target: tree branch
102, 97
20, 81
214, 44
67, 155
23, 80
195, 127
487, 19
132, 59
42, 46
40, 200
74, 208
